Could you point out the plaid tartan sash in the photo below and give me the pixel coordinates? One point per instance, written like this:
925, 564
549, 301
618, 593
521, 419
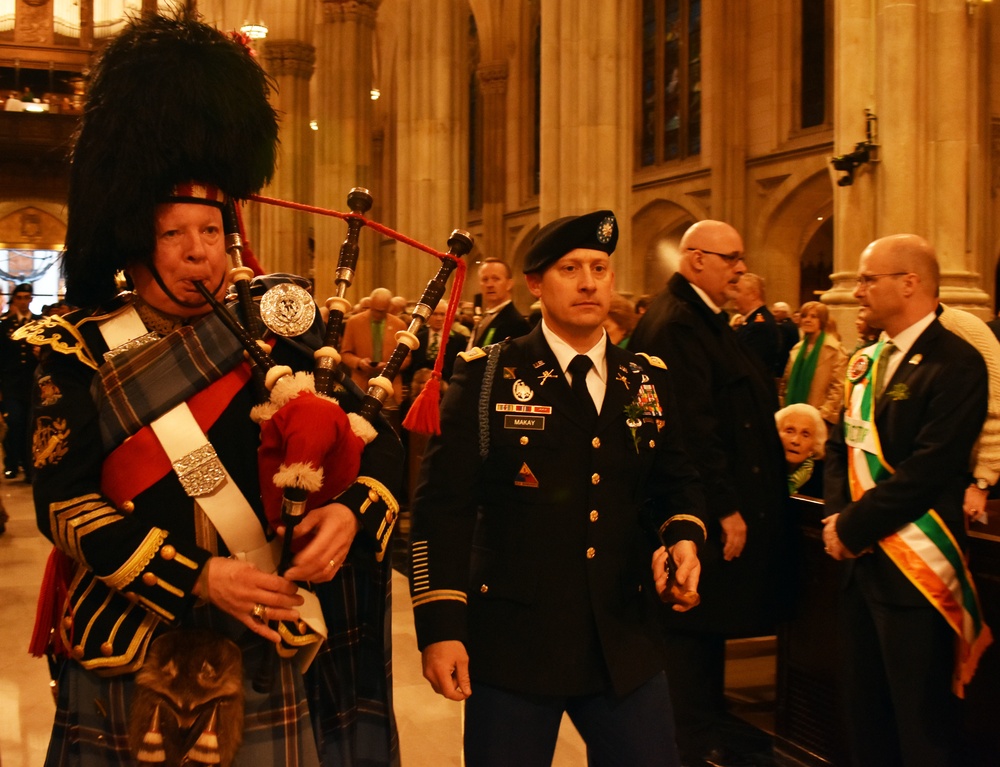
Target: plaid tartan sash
136, 387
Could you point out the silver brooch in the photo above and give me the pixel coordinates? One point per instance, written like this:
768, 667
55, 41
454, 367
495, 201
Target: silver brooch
287, 310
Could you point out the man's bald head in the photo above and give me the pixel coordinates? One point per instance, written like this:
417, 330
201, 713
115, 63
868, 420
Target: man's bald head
898, 279
712, 258
380, 299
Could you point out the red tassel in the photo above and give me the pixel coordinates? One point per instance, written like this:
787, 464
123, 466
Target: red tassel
424, 416
51, 598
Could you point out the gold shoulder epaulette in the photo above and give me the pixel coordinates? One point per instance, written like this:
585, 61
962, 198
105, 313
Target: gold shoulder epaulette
61, 335
473, 354
656, 362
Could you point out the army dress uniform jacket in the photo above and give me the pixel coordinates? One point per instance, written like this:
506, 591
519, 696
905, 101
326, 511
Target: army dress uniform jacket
17, 359
134, 562
533, 531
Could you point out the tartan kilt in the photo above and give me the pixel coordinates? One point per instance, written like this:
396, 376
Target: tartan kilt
91, 720
350, 680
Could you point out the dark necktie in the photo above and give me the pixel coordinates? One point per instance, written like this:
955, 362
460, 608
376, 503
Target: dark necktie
579, 366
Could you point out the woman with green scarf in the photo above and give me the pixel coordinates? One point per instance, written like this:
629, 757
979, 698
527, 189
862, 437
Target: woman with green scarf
815, 370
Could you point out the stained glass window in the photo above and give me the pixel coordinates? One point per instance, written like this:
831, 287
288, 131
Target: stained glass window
670, 82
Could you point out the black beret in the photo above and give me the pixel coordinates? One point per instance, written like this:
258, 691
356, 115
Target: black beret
593, 231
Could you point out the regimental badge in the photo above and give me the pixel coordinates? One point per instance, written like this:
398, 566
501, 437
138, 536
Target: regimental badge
525, 477
287, 310
859, 368
510, 374
48, 445
916, 358
48, 392
522, 392
605, 229
538, 364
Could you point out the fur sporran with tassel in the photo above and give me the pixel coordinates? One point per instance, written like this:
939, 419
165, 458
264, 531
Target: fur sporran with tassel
188, 706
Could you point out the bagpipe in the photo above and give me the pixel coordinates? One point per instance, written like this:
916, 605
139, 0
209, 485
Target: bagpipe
310, 449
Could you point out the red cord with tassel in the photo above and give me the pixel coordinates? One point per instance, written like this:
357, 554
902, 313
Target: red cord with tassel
425, 415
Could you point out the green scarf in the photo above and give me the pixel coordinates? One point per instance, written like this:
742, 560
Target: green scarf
803, 371
800, 476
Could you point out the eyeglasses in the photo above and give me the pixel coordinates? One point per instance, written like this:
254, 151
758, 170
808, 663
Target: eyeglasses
730, 258
867, 279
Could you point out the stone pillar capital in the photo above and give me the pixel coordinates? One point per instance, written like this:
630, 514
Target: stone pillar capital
289, 57
359, 11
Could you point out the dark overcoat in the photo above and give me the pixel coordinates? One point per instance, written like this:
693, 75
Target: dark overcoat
726, 401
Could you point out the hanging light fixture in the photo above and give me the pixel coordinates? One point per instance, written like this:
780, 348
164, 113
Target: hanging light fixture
256, 29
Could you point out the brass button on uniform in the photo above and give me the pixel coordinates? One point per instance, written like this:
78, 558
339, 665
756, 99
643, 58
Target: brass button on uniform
107, 649
78, 652
373, 496
128, 507
168, 552
524, 440
149, 579
652, 444
483, 589
595, 478
596, 442
591, 552
594, 515
68, 622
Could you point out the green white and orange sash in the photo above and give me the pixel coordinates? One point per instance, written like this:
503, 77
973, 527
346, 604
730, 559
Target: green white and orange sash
925, 550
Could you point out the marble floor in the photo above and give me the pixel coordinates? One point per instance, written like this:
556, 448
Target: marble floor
430, 727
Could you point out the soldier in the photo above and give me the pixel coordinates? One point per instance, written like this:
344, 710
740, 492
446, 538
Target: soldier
560, 468
17, 372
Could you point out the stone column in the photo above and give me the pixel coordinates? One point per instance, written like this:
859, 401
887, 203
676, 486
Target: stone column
33, 23
854, 207
432, 76
282, 244
952, 148
493, 79
343, 112
586, 101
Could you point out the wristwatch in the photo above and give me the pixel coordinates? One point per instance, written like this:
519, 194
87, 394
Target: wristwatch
982, 484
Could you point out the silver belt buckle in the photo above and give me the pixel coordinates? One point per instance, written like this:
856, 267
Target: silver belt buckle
200, 471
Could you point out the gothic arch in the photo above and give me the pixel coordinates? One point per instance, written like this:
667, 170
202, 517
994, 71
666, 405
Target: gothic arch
656, 230
786, 232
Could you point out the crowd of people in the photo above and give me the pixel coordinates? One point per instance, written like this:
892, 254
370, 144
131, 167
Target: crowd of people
605, 506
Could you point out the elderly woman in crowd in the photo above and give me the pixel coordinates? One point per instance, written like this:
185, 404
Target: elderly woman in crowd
816, 365
803, 436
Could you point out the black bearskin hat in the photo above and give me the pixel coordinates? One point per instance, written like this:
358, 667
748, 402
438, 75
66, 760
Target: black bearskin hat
170, 101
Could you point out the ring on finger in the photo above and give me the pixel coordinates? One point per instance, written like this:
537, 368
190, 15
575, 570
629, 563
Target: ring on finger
332, 564
259, 613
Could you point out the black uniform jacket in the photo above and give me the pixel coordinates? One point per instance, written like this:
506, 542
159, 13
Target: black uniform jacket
760, 334
726, 401
17, 359
537, 556
135, 564
419, 358
508, 323
928, 418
